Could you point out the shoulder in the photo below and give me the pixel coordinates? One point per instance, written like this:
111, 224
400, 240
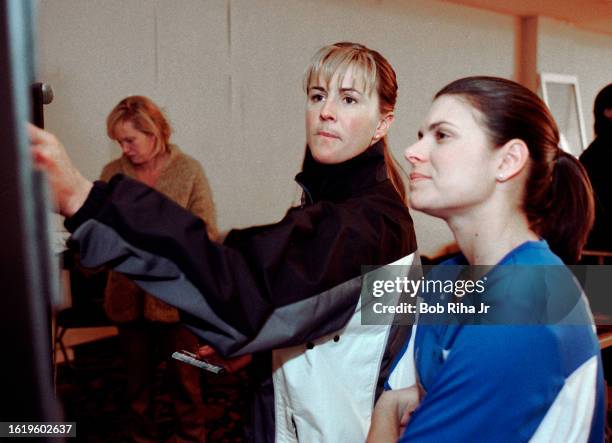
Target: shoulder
376, 212
528, 253
183, 165
597, 157
532, 253
458, 259
375, 226
380, 205
515, 342
358, 228
179, 158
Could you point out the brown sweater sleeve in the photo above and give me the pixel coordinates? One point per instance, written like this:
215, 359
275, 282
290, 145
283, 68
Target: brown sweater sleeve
201, 202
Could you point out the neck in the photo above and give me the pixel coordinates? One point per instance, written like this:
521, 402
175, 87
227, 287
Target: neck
486, 234
149, 172
341, 180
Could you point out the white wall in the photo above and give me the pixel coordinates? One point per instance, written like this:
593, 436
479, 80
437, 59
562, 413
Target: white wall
228, 74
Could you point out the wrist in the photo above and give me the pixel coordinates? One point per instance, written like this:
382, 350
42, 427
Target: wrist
78, 198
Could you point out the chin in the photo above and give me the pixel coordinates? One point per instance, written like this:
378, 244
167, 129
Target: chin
415, 202
325, 156
421, 205
416, 206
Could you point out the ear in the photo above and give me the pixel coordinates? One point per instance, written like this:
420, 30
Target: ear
514, 156
383, 126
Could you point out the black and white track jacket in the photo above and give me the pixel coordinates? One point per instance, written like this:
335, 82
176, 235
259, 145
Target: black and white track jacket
292, 287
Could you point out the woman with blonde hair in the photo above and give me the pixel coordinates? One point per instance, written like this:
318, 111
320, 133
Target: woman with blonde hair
149, 329
292, 287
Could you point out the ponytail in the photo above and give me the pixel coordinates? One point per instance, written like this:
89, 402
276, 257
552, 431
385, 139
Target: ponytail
571, 210
393, 171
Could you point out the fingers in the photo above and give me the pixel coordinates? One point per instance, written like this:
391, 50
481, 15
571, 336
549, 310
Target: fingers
410, 401
34, 132
69, 188
43, 145
236, 364
230, 364
406, 417
39, 136
205, 352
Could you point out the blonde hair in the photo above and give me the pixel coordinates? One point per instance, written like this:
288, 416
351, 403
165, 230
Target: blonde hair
146, 117
377, 75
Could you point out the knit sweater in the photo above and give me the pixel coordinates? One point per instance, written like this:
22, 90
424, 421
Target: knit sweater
182, 180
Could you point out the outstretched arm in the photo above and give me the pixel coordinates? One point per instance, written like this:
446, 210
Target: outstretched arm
268, 287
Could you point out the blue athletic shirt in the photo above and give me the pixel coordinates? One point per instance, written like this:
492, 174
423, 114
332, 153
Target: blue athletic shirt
511, 383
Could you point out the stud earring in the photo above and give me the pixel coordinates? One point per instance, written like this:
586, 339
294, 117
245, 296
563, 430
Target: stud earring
500, 177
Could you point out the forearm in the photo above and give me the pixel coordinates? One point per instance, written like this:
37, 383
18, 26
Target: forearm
392, 413
124, 218
385, 427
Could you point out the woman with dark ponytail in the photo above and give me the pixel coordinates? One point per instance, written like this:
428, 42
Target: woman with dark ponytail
487, 162
557, 199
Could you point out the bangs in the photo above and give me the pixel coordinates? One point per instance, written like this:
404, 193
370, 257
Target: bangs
332, 60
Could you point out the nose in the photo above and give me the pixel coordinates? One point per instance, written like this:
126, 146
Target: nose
328, 110
415, 153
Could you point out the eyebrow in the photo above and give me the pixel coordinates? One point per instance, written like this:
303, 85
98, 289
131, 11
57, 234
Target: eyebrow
435, 125
318, 88
351, 90
342, 90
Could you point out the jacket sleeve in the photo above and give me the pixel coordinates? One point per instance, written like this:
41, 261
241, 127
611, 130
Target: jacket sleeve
272, 286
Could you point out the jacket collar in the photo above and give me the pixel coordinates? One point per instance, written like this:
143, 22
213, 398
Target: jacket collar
343, 180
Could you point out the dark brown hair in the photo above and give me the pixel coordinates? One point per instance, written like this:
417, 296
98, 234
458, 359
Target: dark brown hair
558, 198
377, 73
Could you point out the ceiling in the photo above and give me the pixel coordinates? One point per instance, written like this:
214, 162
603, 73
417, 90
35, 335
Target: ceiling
593, 15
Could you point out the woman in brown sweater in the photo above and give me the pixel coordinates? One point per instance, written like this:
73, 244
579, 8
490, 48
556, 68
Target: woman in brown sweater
149, 329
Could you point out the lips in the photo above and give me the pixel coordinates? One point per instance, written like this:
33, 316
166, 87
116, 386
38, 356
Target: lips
417, 176
328, 134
